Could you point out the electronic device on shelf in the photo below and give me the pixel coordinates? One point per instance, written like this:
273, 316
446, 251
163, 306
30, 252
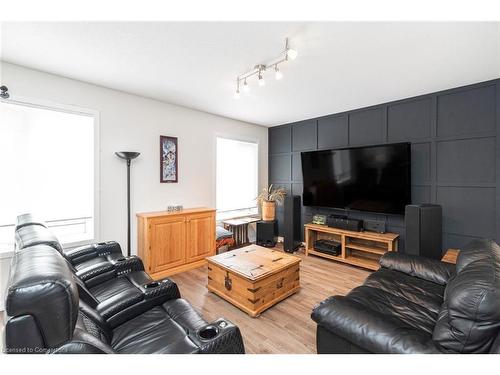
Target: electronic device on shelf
328, 247
319, 219
371, 178
376, 226
343, 222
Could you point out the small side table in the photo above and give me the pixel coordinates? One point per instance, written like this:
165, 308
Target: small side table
450, 256
239, 227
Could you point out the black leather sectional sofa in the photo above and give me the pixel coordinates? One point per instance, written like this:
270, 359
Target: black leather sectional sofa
92, 299
418, 305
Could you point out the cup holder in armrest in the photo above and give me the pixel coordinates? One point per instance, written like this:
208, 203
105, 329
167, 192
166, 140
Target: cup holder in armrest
152, 285
208, 332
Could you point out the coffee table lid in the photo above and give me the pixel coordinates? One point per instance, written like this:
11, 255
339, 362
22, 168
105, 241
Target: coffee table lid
254, 262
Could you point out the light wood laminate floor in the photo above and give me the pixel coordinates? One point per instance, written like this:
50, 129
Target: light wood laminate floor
286, 327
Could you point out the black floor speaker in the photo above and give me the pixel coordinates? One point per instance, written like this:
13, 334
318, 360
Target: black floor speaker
291, 223
424, 230
266, 233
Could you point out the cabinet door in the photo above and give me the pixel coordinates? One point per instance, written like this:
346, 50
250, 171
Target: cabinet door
168, 247
200, 236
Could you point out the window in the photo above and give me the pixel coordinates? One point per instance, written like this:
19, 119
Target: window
48, 167
237, 178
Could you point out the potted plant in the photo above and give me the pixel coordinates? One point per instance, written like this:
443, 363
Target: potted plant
268, 199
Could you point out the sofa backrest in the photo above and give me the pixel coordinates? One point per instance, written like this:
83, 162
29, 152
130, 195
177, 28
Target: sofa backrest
25, 220
469, 320
42, 301
32, 235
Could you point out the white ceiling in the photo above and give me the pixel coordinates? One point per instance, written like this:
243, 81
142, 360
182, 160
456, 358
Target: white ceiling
340, 66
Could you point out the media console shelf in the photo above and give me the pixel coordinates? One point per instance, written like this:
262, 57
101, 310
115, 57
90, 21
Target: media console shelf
362, 249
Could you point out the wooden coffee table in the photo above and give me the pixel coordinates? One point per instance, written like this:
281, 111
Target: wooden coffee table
253, 278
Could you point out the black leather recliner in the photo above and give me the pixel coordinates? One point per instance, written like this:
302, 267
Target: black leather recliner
113, 285
418, 305
116, 298
45, 315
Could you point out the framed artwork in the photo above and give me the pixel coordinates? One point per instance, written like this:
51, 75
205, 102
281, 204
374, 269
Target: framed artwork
168, 159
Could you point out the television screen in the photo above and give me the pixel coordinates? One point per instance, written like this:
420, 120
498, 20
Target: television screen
374, 178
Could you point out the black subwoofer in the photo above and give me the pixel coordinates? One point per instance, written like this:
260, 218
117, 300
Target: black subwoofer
292, 228
266, 233
424, 230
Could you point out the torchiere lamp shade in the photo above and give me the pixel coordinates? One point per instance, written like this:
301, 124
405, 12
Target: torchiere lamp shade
127, 155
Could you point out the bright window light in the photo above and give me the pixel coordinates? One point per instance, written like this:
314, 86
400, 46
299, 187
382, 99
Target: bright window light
47, 167
237, 177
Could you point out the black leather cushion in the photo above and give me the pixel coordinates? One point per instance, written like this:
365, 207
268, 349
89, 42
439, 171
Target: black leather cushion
370, 330
480, 249
155, 331
41, 285
406, 312
25, 220
112, 287
469, 320
424, 268
183, 313
32, 235
391, 313
417, 291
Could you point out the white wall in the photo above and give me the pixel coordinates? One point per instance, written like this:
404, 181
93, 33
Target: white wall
133, 123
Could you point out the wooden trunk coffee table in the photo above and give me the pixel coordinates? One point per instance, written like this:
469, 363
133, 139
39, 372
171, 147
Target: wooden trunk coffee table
253, 278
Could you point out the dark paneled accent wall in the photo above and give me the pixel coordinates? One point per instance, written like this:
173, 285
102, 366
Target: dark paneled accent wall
455, 137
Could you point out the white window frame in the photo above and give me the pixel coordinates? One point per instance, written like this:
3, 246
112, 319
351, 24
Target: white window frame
245, 212
72, 109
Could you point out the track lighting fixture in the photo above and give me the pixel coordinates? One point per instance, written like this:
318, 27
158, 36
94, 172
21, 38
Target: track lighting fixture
277, 73
287, 55
261, 79
237, 93
246, 87
4, 92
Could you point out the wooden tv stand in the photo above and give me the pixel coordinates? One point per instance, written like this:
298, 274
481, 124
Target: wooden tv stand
362, 249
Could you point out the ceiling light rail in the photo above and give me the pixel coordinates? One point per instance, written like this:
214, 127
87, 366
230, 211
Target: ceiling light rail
259, 69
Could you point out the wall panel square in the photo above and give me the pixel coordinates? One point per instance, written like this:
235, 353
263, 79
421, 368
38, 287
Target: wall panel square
466, 112
296, 167
304, 136
280, 167
365, 127
468, 211
280, 139
409, 120
469, 160
333, 132
420, 163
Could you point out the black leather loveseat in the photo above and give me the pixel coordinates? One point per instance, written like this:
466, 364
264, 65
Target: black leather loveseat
94, 300
418, 305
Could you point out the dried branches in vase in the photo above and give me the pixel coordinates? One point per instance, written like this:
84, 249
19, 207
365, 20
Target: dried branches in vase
268, 199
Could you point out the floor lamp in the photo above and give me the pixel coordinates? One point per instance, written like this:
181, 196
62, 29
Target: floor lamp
128, 156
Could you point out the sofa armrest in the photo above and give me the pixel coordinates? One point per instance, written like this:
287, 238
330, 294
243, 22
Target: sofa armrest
427, 269
370, 330
227, 338
83, 253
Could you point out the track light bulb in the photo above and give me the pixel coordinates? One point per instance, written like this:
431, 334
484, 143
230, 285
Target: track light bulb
261, 80
278, 73
246, 87
237, 94
291, 53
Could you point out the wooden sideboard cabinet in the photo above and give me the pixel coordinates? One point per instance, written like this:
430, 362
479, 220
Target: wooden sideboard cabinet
173, 242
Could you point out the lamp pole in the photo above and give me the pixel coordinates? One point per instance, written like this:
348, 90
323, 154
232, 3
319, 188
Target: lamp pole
128, 156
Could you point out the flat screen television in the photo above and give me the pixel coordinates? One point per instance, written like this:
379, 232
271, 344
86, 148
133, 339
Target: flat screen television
373, 178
